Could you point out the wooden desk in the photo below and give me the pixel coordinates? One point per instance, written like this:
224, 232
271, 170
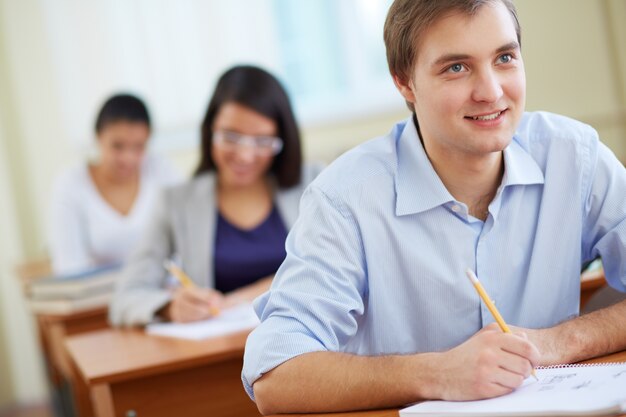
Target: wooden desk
53, 329
616, 357
372, 413
131, 373
590, 282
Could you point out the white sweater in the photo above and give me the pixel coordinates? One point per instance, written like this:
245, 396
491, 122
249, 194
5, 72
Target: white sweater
85, 231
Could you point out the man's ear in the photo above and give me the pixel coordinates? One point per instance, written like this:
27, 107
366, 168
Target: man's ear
405, 87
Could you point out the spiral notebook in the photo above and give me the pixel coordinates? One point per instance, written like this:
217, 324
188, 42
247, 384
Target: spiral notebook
562, 390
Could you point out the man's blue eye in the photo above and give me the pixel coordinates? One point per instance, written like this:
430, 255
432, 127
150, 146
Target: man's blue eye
506, 58
456, 68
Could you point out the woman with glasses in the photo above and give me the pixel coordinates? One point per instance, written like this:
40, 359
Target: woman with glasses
226, 227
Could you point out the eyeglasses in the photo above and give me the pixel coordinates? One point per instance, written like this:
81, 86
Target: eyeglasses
262, 145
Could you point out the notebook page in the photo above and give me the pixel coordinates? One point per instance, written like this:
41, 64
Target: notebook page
232, 320
566, 391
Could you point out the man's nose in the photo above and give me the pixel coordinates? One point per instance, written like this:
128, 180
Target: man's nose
487, 87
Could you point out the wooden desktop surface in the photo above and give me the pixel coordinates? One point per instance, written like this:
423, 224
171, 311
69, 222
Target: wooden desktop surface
371, 413
131, 373
616, 357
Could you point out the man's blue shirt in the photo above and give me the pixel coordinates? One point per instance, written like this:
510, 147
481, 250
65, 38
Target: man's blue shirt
375, 263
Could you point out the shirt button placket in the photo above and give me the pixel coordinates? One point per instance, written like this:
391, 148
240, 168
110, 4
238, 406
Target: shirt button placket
484, 312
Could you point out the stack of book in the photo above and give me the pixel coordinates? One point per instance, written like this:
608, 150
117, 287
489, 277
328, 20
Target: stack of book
67, 294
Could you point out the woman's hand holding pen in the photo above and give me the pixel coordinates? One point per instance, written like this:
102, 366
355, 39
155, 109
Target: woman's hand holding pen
193, 304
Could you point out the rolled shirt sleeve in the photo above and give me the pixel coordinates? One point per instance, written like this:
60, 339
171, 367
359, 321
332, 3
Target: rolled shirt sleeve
317, 297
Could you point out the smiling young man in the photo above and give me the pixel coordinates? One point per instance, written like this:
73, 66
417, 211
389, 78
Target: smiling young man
371, 307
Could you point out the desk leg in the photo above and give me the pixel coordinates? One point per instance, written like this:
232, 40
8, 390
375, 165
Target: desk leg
60, 394
81, 398
102, 400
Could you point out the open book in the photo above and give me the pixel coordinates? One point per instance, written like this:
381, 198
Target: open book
564, 390
232, 320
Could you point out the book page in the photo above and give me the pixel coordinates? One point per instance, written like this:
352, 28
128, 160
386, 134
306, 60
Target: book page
232, 320
573, 390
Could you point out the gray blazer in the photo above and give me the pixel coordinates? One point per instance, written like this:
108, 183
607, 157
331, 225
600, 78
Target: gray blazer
182, 226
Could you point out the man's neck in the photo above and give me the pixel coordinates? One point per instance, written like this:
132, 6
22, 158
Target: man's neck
473, 180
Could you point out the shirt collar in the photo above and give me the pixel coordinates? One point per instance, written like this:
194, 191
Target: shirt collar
419, 188
519, 167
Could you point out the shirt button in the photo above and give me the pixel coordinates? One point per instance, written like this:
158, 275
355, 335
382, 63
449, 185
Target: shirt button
456, 208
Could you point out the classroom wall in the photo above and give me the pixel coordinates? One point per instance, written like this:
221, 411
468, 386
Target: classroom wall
575, 54
6, 388
21, 370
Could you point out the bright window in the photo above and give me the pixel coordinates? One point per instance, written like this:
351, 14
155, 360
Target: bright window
329, 54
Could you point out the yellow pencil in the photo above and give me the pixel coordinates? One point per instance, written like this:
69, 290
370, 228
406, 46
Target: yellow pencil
179, 274
184, 279
492, 308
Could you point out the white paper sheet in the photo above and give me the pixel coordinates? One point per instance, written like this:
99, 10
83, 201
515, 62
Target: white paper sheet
571, 390
232, 320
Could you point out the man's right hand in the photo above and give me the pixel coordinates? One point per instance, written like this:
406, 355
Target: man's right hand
489, 364
193, 304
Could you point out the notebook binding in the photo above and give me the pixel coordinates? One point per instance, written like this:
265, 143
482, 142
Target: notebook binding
579, 365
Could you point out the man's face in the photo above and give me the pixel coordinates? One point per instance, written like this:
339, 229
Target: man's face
468, 84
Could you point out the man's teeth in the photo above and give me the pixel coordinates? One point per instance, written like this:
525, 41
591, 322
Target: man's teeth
487, 117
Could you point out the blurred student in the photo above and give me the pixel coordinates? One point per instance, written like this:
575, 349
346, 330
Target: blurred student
226, 227
100, 207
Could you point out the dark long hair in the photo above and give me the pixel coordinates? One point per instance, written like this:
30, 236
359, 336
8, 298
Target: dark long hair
260, 91
122, 107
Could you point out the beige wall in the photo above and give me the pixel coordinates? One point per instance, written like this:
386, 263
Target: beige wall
21, 375
575, 55
575, 62
21, 378
6, 387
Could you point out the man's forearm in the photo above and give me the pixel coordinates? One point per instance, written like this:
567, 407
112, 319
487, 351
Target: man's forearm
331, 381
595, 334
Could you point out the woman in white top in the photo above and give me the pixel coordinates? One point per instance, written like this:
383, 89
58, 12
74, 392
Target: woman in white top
99, 209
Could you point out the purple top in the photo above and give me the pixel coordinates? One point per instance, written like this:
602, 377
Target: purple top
245, 256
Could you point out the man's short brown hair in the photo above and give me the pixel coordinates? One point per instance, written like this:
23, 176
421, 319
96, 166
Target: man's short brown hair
407, 20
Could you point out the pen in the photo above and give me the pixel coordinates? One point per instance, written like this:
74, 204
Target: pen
184, 279
492, 308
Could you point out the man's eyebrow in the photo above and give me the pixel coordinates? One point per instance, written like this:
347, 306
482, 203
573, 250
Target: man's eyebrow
514, 45
450, 58
511, 46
